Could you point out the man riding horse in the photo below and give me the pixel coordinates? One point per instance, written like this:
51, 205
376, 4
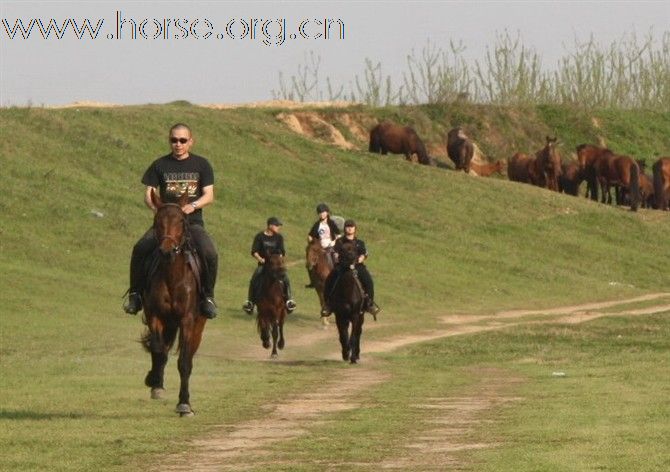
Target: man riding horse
266, 243
173, 175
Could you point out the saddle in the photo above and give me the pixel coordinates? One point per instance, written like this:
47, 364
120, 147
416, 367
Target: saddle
192, 258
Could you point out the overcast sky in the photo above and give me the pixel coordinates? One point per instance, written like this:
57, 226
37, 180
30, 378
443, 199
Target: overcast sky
209, 57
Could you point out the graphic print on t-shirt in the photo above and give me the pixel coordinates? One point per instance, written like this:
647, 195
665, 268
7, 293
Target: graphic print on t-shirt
176, 183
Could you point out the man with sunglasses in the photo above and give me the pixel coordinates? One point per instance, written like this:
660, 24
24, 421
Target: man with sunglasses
170, 176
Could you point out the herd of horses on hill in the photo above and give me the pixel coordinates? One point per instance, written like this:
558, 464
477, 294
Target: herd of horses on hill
601, 168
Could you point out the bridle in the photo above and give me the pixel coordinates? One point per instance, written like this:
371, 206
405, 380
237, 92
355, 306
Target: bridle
177, 246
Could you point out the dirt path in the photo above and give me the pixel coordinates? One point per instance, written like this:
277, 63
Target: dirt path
452, 418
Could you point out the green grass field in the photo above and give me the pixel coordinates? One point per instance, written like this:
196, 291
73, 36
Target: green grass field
441, 243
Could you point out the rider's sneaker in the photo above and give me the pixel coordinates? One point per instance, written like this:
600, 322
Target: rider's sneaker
309, 285
248, 307
208, 308
290, 306
134, 303
373, 309
325, 312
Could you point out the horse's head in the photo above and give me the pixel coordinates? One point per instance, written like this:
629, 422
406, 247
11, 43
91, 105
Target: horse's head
274, 265
348, 253
313, 252
552, 158
170, 224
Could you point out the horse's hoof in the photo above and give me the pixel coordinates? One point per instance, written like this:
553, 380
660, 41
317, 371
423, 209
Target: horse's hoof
157, 393
280, 344
184, 409
345, 356
325, 322
274, 355
354, 361
266, 344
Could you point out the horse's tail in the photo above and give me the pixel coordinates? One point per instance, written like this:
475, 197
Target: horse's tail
634, 186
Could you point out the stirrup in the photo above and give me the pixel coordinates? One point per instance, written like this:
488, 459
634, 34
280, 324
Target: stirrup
290, 305
208, 308
325, 312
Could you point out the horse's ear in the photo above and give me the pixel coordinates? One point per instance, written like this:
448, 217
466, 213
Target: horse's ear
183, 200
155, 199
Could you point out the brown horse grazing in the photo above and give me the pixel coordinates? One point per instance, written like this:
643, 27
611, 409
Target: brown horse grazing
171, 301
485, 170
271, 304
588, 155
621, 172
388, 137
319, 265
661, 169
347, 301
460, 149
571, 178
548, 164
522, 168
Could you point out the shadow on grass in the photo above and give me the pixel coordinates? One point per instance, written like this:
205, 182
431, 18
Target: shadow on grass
37, 415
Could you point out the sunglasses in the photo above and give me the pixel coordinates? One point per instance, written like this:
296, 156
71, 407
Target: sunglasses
179, 140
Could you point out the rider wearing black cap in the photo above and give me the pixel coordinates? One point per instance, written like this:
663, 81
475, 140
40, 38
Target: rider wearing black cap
363, 274
268, 241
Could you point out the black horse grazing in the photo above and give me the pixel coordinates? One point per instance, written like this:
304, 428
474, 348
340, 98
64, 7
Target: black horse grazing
388, 137
172, 301
271, 303
460, 149
347, 301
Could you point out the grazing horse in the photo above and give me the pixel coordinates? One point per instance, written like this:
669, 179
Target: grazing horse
621, 172
485, 170
271, 304
319, 265
588, 156
570, 179
548, 164
172, 301
460, 149
347, 301
661, 170
388, 137
522, 168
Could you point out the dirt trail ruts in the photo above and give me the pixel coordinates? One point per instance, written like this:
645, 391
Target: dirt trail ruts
454, 417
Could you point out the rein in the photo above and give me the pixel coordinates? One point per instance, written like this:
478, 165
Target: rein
178, 246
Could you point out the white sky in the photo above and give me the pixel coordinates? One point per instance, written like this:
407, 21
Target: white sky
126, 71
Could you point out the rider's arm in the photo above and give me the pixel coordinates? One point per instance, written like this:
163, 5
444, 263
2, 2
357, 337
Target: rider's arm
147, 198
205, 199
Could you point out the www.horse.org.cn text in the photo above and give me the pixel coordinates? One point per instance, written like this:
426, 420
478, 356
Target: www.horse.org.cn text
266, 31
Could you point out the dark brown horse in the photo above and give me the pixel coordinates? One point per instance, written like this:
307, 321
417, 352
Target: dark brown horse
548, 164
460, 149
271, 303
388, 137
588, 156
661, 169
522, 168
347, 301
319, 265
171, 302
485, 170
571, 178
620, 172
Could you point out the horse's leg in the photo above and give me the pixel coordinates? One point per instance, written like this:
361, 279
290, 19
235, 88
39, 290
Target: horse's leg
281, 342
192, 326
275, 335
355, 341
343, 330
264, 329
156, 346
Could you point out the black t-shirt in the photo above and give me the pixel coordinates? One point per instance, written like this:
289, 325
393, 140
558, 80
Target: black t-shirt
173, 177
264, 244
361, 250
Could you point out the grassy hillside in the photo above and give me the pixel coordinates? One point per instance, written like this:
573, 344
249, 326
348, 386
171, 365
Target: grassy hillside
441, 242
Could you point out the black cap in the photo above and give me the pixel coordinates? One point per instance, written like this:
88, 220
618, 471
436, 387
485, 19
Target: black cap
321, 207
273, 220
349, 223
